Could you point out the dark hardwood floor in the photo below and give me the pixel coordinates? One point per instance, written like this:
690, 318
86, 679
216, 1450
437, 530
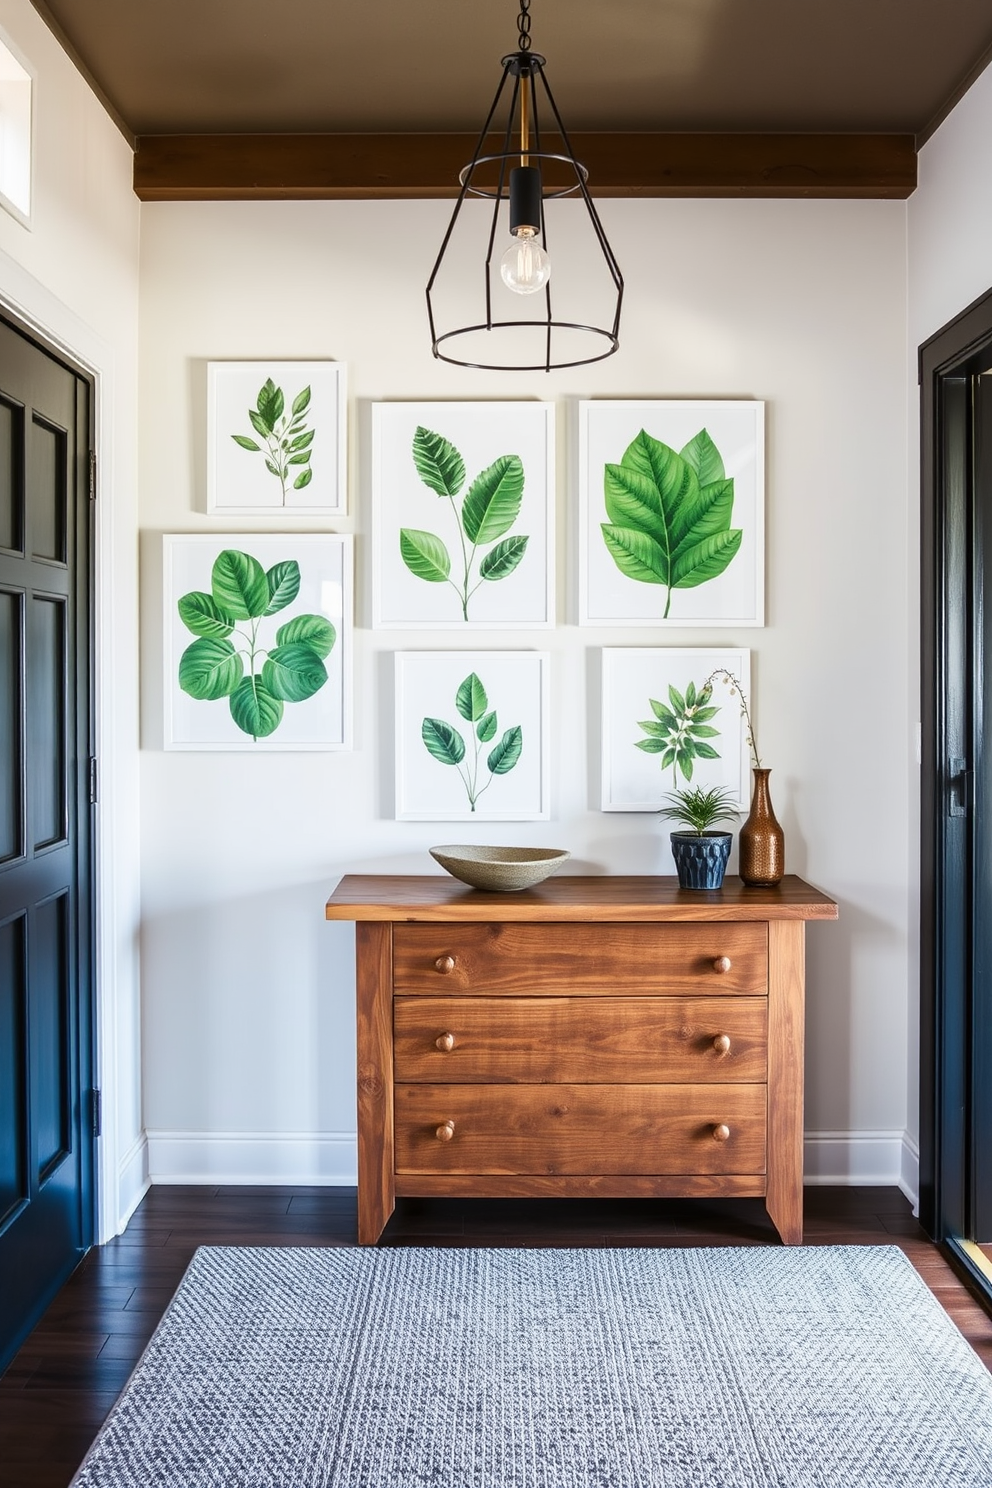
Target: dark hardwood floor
66, 1377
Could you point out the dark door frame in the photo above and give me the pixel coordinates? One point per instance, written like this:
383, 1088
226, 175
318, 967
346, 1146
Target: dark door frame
951, 549
86, 1118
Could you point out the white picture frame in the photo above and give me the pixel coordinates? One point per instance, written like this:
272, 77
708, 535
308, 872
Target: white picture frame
317, 595
609, 594
482, 435
632, 676
241, 480
515, 688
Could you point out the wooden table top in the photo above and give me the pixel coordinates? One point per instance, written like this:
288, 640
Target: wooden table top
438, 897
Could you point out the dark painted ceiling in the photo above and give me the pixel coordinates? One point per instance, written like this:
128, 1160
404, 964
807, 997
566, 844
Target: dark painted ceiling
234, 66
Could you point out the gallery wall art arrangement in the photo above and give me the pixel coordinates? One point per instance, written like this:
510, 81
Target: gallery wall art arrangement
669, 531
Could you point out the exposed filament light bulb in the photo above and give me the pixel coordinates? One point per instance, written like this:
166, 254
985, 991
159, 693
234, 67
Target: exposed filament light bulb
525, 267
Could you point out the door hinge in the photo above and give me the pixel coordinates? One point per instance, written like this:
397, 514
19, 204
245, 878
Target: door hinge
92, 475
961, 787
93, 781
96, 1113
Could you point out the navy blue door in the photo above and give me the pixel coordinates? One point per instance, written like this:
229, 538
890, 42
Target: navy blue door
46, 1142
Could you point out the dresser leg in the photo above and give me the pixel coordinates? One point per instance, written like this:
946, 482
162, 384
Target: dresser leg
786, 1023
373, 977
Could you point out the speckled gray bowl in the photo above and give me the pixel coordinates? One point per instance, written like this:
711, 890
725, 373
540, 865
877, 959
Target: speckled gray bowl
501, 868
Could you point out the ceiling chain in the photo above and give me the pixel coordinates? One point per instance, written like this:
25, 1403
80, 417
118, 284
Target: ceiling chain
523, 26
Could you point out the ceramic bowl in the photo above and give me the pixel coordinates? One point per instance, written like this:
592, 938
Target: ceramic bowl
501, 868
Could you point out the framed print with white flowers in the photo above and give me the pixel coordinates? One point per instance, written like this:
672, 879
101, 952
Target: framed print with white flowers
463, 516
668, 722
257, 633
671, 512
472, 736
276, 437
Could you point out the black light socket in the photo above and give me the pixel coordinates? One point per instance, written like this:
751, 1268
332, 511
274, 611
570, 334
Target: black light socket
525, 198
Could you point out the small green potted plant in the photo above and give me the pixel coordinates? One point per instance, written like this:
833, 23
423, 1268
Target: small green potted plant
700, 853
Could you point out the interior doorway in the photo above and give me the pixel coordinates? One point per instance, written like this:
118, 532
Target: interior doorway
956, 862
48, 1108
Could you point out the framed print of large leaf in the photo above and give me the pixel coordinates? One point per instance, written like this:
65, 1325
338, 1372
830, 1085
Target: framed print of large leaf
257, 641
671, 512
463, 516
472, 732
669, 724
276, 437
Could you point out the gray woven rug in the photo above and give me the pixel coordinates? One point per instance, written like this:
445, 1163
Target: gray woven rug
733, 1368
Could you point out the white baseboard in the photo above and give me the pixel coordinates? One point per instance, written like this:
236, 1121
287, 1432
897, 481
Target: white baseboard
133, 1182
855, 1159
253, 1157
851, 1158
909, 1180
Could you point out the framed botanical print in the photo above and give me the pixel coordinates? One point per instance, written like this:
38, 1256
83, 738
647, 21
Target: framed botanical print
463, 516
671, 513
257, 632
670, 720
472, 736
276, 437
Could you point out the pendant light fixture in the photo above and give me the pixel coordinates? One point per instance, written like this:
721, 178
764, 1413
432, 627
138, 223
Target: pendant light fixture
520, 180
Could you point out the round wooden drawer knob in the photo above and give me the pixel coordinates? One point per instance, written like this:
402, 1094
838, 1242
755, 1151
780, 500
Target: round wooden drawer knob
721, 1133
721, 1043
445, 1043
445, 965
445, 1131
722, 964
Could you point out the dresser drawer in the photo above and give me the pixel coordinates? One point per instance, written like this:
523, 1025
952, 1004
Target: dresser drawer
601, 1040
580, 1129
581, 960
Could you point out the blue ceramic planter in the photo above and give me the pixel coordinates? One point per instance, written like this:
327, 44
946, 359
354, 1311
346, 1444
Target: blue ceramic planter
701, 862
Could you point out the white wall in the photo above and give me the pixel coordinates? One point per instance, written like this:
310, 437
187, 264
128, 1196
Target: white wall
74, 275
248, 993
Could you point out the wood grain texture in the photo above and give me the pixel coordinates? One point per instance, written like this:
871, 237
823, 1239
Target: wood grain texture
375, 1080
580, 1129
651, 960
387, 167
579, 1186
628, 1040
571, 898
786, 1025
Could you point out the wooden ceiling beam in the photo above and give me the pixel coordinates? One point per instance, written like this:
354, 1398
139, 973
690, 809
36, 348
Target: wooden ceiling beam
388, 167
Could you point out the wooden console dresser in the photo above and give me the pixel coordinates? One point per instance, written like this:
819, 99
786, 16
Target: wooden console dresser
610, 1037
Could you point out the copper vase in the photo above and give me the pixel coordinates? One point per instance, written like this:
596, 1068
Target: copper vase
762, 841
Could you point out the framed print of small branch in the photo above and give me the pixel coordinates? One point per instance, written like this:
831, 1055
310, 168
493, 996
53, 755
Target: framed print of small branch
671, 512
276, 437
463, 515
472, 736
666, 726
258, 632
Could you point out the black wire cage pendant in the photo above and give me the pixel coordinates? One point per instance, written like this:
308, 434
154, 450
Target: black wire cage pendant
520, 179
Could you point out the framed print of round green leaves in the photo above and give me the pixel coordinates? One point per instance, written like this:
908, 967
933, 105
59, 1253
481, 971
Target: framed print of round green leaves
681, 731
229, 659
287, 442
447, 744
670, 514
488, 510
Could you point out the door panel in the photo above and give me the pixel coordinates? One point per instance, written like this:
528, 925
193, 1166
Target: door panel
46, 688
11, 729
45, 911
13, 1081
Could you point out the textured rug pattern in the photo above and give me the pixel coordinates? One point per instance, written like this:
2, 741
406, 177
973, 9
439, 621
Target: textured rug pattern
827, 1367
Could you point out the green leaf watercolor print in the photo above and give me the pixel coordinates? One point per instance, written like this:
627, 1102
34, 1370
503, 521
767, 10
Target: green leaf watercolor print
447, 744
230, 658
487, 511
287, 443
680, 731
669, 514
